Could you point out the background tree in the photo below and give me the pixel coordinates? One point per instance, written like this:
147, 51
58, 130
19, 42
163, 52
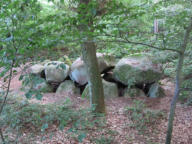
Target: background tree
178, 82
18, 20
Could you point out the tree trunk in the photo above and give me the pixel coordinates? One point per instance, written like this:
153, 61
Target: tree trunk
90, 59
178, 84
95, 82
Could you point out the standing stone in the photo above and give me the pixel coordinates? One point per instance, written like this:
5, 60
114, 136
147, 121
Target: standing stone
156, 91
110, 90
36, 69
56, 71
78, 71
43, 87
67, 87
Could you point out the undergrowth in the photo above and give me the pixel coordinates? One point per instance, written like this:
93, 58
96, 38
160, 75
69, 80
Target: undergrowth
142, 118
185, 96
24, 117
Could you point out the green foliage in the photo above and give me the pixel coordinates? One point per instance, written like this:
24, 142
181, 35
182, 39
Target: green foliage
142, 117
103, 140
17, 17
20, 115
35, 117
34, 85
87, 122
185, 96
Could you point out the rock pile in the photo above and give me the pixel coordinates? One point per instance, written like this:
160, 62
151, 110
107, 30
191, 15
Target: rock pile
132, 76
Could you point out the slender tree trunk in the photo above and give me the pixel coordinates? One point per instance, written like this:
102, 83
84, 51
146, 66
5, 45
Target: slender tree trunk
5, 98
178, 84
95, 82
90, 59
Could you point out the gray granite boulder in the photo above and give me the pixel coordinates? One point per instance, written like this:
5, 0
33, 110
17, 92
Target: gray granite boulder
155, 91
36, 69
137, 70
78, 71
67, 87
110, 90
56, 71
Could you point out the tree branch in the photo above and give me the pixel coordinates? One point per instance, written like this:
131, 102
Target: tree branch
185, 89
125, 40
151, 46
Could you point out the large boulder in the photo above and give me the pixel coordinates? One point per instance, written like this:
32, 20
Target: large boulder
137, 70
155, 91
36, 69
67, 87
110, 90
105, 61
56, 71
78, 70
43, 87
133, 92
36, 83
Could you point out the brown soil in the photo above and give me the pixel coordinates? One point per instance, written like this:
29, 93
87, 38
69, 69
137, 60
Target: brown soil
118, 122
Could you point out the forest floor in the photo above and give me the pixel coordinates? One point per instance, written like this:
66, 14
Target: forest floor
119, 127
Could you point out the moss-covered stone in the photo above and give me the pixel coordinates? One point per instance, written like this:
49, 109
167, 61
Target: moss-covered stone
68, 87
156, 91
110, 90
137, 70
36, 69
38, 84
56, 71
78, 71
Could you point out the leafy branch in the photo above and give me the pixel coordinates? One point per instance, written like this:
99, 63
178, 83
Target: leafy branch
125, 40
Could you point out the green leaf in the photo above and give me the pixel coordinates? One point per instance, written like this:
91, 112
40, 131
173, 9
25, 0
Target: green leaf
37, 80
81, 137
44, 127
63, 66
93, 11
39, 96
62, 1
63, 123
29, 94
21, 77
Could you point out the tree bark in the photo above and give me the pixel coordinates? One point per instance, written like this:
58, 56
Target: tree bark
178, 83
89, 56
95, 82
